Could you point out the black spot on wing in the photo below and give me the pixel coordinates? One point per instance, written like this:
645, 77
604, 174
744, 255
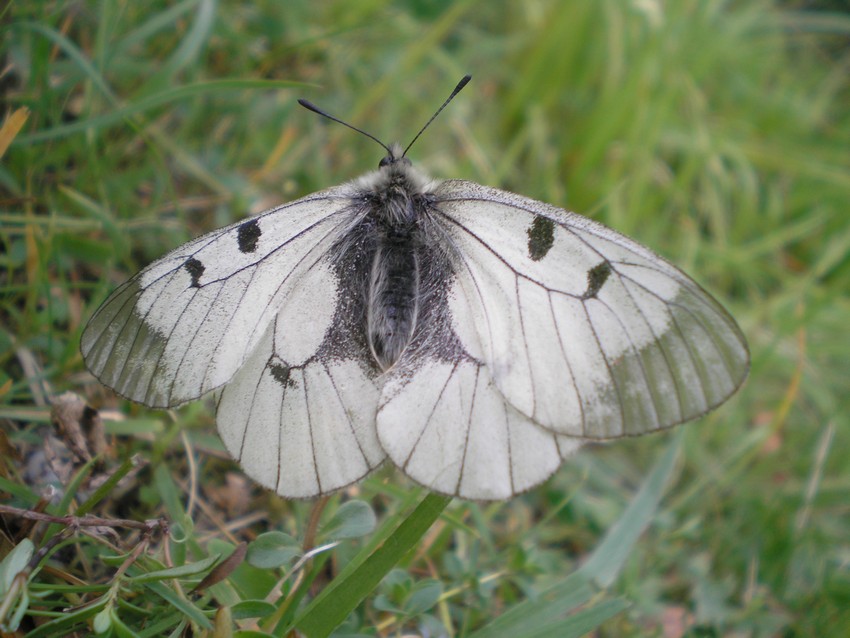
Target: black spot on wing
541, 236
596, 278
195, 269
249, 236
281, 374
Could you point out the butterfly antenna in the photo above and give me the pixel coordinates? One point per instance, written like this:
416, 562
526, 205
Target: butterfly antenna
463, 82
312, 107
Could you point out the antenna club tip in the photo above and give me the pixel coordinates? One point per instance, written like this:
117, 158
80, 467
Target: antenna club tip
463, 82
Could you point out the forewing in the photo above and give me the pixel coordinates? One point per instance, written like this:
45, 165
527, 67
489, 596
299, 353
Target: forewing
583, 330
299, 416
185, 324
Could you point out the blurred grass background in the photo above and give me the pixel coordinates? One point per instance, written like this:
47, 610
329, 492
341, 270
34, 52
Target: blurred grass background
715, 132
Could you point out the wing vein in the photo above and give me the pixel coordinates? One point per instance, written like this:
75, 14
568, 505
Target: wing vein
115, 296
572, 231
563, 349
227, 328
698, 320
127, 317
525, 343
608, 366
348, 419
468, 429
280, 431
430, 416
657, 340
165, 341
191, 341
310, 432
638, 358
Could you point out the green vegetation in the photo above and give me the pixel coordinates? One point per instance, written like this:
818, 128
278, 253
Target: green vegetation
715, 132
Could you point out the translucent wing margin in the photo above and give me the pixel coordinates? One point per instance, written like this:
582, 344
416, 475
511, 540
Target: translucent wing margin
185, 324
584, 331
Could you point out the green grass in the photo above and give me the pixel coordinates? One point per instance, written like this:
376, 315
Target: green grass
716, 133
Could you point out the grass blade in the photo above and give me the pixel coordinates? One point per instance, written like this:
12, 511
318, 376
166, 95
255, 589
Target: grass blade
541, 612
343, 595
152, 101
545, 614
583, 622
610, 555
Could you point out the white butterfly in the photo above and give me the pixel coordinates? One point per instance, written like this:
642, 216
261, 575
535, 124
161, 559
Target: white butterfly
473, 336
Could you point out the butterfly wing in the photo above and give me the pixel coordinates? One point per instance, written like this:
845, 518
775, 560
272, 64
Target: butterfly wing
183, 326
583, 330
258, 306
443, 421
299, 416
447, 426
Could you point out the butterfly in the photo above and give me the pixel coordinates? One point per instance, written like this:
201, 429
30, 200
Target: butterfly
474, 337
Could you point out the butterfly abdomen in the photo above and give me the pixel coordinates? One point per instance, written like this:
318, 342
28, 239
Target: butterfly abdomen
394, 281
392, 300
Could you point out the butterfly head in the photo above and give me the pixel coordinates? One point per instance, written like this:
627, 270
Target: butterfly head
396, 176
395, 157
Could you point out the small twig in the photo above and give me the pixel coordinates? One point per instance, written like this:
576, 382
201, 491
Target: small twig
39, 387
274, 594
211, 513
313, 523
193, 473
49, 546
149, 525
95, 533
140, 547
44, 500
824, 446
309, 551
